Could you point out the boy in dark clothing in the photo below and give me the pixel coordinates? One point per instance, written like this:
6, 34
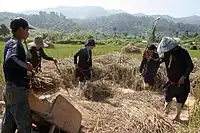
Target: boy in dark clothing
179, 66
36, 53
149, 65
84, 66
15, 66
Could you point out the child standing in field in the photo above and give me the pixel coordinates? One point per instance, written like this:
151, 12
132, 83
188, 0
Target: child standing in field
149, 66
84, 65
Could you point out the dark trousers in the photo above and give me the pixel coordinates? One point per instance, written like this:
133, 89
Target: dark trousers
150, 79
179, 92
83, 74
17, 111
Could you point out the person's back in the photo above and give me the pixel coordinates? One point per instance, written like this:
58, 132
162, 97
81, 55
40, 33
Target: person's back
84, 61
177, 64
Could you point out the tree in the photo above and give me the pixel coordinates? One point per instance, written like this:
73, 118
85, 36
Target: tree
177, 34
125, 34
186, 33
90, 37
4, 30
196, 34
114, 30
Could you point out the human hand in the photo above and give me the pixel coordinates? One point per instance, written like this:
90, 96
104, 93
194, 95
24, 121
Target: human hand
182, 80
29, 66
54, 59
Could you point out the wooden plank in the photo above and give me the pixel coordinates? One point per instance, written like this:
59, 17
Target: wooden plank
65, 115
36, 104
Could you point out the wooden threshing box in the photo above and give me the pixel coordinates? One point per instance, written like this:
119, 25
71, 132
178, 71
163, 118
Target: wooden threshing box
64, 115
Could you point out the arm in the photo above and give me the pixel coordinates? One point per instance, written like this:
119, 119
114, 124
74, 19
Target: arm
90, 58
43, 55
75, 57
30, 53
11, 55
142, 64
190, 65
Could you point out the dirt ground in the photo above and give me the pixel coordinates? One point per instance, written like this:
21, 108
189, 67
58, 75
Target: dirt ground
126, 111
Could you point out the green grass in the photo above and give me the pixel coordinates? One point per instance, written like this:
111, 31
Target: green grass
66, 50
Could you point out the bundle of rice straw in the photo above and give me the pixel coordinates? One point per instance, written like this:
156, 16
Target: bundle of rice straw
45, 81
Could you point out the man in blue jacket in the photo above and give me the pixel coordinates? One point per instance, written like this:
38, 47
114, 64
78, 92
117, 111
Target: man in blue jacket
17, 111
179, 66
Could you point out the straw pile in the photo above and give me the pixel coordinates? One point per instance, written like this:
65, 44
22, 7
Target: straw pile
118, 69
121, 108
45, 82
131, 49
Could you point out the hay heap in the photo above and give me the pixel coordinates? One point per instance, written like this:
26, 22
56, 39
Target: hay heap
131, 49
117, 111
137, 112
118, 69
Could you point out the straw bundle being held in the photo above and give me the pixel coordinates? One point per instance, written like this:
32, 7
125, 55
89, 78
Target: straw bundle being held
45, 81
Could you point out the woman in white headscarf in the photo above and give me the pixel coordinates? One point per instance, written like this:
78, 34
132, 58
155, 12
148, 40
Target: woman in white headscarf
179, 66
36, 53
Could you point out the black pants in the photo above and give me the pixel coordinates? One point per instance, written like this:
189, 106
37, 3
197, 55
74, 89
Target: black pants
83, 74
179, 92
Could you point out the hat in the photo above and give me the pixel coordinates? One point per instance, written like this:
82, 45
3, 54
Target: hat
90, 43
19, 22
166, 44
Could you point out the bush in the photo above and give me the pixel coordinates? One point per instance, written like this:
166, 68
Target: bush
70, 42
194, 47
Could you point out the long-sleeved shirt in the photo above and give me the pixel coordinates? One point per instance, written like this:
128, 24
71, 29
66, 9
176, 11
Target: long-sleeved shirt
150, 67
178, 64
85, 58
14, 65
36, 56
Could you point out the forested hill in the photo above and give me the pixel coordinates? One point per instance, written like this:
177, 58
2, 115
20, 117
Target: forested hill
121, 23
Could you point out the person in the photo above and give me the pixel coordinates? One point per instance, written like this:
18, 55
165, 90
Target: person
36, 53
179, 66
15, 66
149, 65
84, 66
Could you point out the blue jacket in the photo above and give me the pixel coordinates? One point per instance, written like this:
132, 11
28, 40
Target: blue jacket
13, 72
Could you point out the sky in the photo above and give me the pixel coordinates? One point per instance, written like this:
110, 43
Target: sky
175, 8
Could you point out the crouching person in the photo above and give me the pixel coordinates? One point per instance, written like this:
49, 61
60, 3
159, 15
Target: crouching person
149, 66
84, 65
179, 66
